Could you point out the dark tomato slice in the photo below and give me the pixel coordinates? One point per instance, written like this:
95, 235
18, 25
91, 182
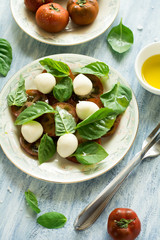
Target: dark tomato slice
96, 101
97, 86
81, 140
48, 123
71, 74
68, 107
32, 97
72, 159
52, 100
96, 91
114, 127
30, 148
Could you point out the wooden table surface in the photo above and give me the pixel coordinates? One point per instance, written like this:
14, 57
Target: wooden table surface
141, 190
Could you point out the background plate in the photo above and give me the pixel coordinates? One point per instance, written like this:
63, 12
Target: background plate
61, 170
73, 34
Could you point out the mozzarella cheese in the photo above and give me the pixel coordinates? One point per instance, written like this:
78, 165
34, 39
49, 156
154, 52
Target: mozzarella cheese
82, 85
32, 131
85, 108
45, 82
67, 144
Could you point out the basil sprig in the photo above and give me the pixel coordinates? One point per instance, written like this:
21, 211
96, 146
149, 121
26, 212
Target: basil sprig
99, 69
120, 38
98, 124
5, 56
89, 153
118, 98
56, 68
46, 149
64, 122
32, 201
18, 96
52, 220
63, 89
33, 112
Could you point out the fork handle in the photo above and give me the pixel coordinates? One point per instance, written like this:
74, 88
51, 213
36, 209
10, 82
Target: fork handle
88, 216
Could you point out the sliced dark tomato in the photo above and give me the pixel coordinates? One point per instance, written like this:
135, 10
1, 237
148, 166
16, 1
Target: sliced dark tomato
48, 123
71, 74
81, 140
32, 97
96, 101
114, 127
96, 91
30, 148
97, 86
68, 107
52, 100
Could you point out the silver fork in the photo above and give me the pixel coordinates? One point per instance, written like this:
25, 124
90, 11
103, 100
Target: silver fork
150, 148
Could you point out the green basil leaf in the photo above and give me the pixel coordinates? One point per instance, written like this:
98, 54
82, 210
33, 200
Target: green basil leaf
64, 122
5, 56
46, 149
52, 220
99, 69
120, 38
98, 124
18, 96
62, 91
56, 68
33, 112
32, 201
118, 98
89, 153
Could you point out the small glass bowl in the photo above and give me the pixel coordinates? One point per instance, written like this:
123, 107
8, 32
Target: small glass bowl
143, 55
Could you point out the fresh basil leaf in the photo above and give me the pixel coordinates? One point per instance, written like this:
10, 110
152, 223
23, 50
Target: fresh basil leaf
120, 38
118, 98
52, 220
62, 91
64, 122
56, 68
5, 56
34, 111
46, 149
99, 69
98, 124
18, 96
97, 129
89, 153
32, 201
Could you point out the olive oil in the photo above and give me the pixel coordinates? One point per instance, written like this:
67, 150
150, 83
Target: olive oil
151, 71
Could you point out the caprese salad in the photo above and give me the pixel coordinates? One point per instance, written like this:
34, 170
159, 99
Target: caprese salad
69, 112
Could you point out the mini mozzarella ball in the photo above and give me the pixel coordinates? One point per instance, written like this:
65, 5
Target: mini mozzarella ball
67, 144
85, 108
45, 82
32, 131
82, 85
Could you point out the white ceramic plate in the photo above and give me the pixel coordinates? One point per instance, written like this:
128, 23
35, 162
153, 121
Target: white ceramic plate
73, 34
61, 170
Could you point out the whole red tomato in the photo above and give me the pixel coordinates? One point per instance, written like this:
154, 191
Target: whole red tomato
52, 17
33, 5
123, 224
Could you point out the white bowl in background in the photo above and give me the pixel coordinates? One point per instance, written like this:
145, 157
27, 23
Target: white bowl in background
143, 55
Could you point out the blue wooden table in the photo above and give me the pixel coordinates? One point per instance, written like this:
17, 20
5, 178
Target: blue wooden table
141, 191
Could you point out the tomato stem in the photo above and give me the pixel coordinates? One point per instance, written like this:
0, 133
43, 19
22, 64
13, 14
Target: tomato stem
123, 223
53, 8
81, 2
